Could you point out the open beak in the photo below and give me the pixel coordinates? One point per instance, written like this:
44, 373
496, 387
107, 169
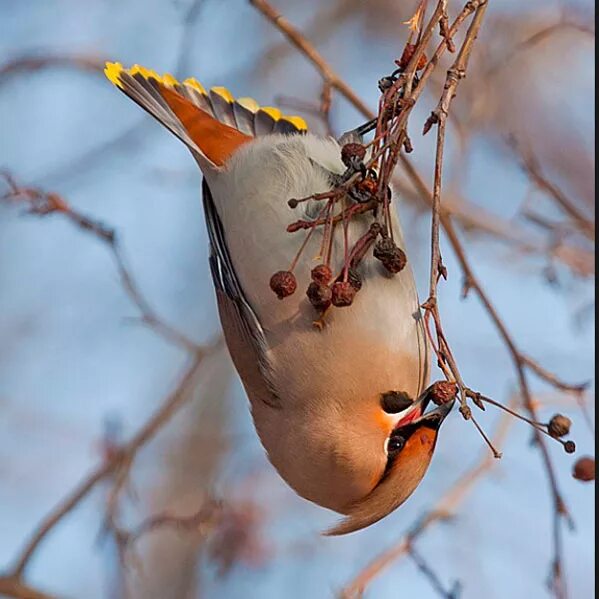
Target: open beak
416, 414
436, 417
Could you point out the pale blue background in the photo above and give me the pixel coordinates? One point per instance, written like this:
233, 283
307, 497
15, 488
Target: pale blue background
69, 359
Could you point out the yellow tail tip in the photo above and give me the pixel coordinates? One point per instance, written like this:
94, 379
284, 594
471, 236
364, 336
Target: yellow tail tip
223, 92
113, 70
273, 112
195, 84
168, 79
297, 121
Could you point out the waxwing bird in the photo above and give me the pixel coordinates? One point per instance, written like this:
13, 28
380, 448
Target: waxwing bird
340, 410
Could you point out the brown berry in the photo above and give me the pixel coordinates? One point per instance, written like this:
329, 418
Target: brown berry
443, 392
283, 283
352, 154
392, 257
584, 469
407, 56
322, 274
343, 294
559, 426
383, 247
396, 262
363, 191
570, 446
292, 203
367, 185
354, 278
320, 295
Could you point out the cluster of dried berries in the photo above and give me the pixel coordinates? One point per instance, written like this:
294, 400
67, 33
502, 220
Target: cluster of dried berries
362, 196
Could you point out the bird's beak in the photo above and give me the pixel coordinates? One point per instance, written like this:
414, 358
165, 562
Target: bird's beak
406, 471
436, 417
416, 413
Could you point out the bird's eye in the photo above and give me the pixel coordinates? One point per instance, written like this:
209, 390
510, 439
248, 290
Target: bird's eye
395, 444
394, 402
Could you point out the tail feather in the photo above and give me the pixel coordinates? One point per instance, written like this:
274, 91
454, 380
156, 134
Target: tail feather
201, 119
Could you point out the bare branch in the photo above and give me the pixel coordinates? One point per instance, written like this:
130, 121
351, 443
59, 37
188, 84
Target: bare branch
297, 39
43, 203
531, 166
443, 510
127, 453
12, 586
33, 63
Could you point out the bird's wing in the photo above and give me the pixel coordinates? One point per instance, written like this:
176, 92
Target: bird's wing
243, 331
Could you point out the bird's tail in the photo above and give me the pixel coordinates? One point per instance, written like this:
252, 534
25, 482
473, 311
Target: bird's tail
213, 124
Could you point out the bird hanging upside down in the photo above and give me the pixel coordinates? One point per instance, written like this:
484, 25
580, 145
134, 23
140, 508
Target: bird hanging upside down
335, 407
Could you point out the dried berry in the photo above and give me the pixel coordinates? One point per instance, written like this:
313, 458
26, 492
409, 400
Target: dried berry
292, 203
352, 154
406, 56
392, 257
320, 295
383, 247
343, 294
584, 469
283, 283
363, 191
375, 229
559, 426
367, 185
354, 278
443, 392
570, 446
322, 274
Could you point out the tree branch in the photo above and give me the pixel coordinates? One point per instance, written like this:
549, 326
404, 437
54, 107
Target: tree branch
127, 453
42, 203
441, 511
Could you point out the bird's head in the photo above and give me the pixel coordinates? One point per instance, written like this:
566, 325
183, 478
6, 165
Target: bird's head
407, 450
362, 462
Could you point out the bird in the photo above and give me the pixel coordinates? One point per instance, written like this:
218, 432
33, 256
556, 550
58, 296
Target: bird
341, 410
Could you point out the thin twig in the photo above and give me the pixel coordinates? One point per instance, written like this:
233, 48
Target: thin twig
127, 452
299, 41
531, 166
442, 510
202, 520
11, 586
42, 203
439, 116
36, 62
432, 576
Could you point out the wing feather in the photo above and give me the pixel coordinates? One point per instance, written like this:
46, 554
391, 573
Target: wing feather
243, 330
